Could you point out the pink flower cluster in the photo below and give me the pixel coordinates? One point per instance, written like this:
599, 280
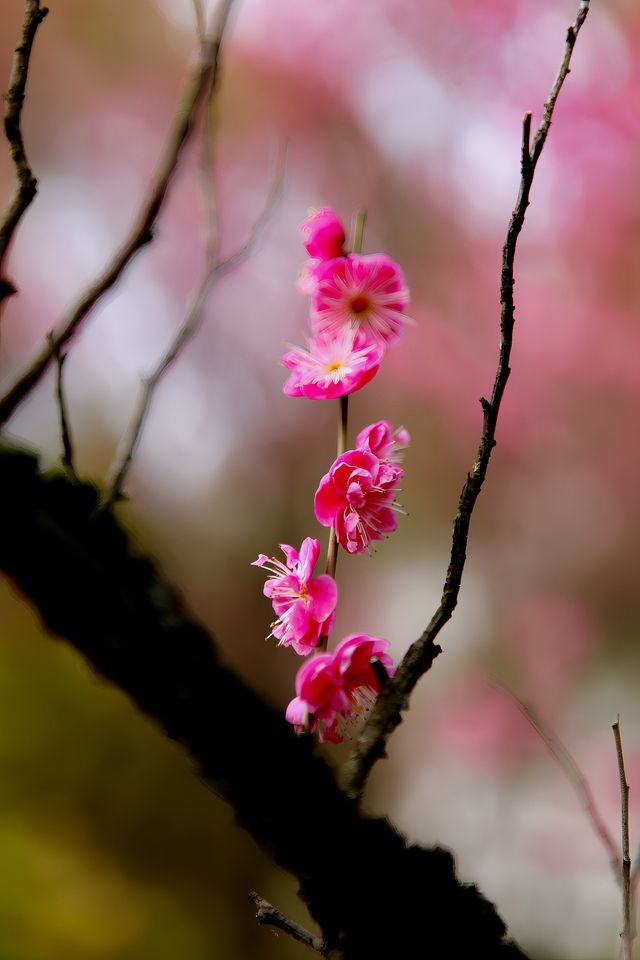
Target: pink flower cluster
357, 305
356, 309
357, 498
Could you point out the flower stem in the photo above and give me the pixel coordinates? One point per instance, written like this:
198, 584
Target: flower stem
357, 231
357, 235
332, 551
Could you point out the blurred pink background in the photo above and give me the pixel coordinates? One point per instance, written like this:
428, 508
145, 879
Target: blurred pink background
110, 846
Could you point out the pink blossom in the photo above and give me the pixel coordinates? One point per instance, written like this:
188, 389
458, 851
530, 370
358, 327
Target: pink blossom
356, 497
333, 687
382, 440
305, 605
331, 367
363, 293
323, 234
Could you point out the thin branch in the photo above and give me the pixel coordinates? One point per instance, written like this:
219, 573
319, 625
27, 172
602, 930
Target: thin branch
27, 184
65, 432
627, 934
206, 75
188, 329
419, 658
270, 916
574, 775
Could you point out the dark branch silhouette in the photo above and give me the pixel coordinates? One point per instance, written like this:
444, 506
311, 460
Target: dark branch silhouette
27, 184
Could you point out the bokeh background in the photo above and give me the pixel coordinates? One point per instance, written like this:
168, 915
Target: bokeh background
110, 846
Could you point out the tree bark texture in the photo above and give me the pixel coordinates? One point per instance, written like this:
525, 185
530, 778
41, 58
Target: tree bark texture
371, 893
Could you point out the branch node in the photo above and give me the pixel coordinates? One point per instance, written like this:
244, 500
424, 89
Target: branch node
526, 146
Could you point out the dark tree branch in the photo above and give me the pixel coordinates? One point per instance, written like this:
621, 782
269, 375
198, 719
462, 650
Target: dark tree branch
370, 893
206, 76
13, 102
270, 916
419, 658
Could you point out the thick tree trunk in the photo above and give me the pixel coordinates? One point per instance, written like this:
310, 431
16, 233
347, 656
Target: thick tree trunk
372, 895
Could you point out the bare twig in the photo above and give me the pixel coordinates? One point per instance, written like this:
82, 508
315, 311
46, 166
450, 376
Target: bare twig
270, 916
213, 271
627, 934
65, 433
206, 75
574, 775
27, 184
419, 658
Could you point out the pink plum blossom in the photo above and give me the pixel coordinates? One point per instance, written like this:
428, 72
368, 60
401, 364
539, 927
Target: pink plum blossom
356, 498
361, 293
333, 687
305, 605
382, 440
323, 234
331, 367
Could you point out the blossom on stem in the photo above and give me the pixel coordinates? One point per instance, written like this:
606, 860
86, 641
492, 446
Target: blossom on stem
359, 293
331, 367
323, 234
305, 605
332, 688
356, 498
382, 440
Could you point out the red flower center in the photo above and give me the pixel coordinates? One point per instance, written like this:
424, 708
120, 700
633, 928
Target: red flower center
360, 303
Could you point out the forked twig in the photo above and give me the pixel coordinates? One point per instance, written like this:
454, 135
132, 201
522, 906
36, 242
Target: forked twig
270, 916
206, 76
128, 447
419, 658
27, 184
